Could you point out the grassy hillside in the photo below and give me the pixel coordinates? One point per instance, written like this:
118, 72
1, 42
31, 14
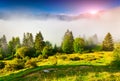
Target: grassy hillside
69, 67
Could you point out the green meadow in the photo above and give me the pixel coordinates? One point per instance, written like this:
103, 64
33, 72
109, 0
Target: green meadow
68, 67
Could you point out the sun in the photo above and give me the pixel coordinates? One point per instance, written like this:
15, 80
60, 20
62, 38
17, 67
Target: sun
93, 12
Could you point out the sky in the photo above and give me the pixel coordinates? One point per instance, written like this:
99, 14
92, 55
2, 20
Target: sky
57, 6
54, 17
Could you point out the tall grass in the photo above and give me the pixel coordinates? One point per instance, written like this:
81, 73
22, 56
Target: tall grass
90, 67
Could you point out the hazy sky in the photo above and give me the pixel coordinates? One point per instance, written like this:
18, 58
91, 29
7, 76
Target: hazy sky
54, 17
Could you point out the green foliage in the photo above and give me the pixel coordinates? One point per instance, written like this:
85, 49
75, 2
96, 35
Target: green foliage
90, 45
40, 57
63, 57
108, 44
2, 65
28, 40
75, 58
16, 64
39, 43
55, 49
67, 44
47, 50
24, 51
1, 57
13, 45
53, 60
31, 63
79, 45
97, 48
3, 46
10, 57
116, 57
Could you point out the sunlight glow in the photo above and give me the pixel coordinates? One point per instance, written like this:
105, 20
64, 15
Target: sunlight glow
93, 12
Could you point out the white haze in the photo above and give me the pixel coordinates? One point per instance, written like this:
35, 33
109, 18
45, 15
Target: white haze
54, 29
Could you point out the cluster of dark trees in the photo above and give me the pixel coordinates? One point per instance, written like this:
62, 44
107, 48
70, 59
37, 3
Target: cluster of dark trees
34, 47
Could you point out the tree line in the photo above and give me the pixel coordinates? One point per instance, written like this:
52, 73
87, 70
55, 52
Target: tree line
34, 47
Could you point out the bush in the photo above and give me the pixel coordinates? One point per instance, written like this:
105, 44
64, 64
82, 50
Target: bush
1, 57
47, 51
53, 60
116, 57
31, 63
16, 64
8, 58
2, 65
75, 58
64, 57
97, 48
40, 58
25, 51
26, 58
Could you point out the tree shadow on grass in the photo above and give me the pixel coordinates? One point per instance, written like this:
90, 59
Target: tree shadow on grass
56, 72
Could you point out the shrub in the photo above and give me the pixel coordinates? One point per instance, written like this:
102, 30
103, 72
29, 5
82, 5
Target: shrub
116, 57
9, 67
26, 58
40, 58
16, 64
9, 57
97, 48
53, 60
24, 51
75, 58
1, 57
47, 51
31, 63
63, 57
2, 65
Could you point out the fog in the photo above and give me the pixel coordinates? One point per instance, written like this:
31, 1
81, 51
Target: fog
53, 29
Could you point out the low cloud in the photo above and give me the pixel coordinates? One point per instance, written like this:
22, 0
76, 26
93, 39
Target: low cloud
53, 26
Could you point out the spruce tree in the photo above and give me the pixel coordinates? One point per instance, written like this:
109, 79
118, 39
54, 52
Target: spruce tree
13, 45
67, 44
28, 40
39, 43
108, 44
4, 45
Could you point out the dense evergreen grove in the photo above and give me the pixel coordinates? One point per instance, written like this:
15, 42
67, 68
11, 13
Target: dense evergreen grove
30, 47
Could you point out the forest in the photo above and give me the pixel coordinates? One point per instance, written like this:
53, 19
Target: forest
36, 56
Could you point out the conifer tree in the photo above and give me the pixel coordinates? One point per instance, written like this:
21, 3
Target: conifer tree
4, 45
67, 44
108, 44
39, 43
28, 40
14, 44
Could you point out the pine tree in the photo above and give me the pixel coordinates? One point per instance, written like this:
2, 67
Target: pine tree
14, 44
28, 40
108, 44
39, 43
67, 44
4, 45
95, 39
24, 40
31, 41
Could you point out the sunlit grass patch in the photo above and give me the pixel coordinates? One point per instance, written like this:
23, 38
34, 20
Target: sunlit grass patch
62, 67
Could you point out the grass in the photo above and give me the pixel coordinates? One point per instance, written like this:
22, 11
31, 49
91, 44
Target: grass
90, 67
